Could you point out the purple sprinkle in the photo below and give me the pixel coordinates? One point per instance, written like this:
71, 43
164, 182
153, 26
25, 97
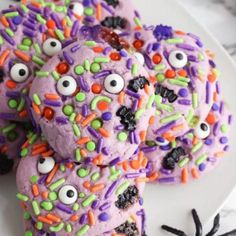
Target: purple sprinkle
105, 151
165, 148
199, 43
119, 127
148, 61
226, 148
61, 120
216, 128
212, 63
192, 58
75, 29
93, 132
208, 142
194, 71
167, 180
52, 103
68, 58
165, 171
223, 140
13, 94
222, 105
104, 217
136, 139
185, 46
86, 3
102, 74
7, 116
132, 94
165, 128
111, 189
129, 64
230, 119
149, 48
132, 175
83, 219
202, 167
95, 204
207, 92
99, 145
29, 33
75, 48
12, 25
131, 137
107, 50
42, 180
183, 92
149, 149
29, 25
56, 18
215, 107
185, 102
107, 8
155, 46
114, 161
134, 105
67, 42
123, 53
83, 84
105, 206
7, 37
64, 208
85, 110
107, 116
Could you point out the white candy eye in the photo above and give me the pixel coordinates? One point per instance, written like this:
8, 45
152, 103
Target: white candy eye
66, 85
51, 47
114, 83
202, 131
139, 57
178, 59
45, 165
77, 8
161, 141
19, 72
68, 194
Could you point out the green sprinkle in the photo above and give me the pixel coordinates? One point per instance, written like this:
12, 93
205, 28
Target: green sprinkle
194, 121
36, 99
175, 40
59, 34
183, 79
62, 168
178, 82
57, 228
88, 201
81, 195
21, 104
36, 207
95, 67
87, 65
139, 113
76, 130
171, 118
102, 59
77, 155
159, 67
8, 128
34, 179
83, 172
1, 40
72, 117
55, 75
80, 97
42, 74
150, 101
83, 230
79, 70
22, 197
137, 21
134, 69
9, 32
76, 207
190, 116
33, 138
122, 187
12, 103
69, 22
37, 49
122, 136
183, 162
11, 14
39, 225
52, 196
46, 205
90, 43
96, 124
24, 8
27, 42
68, 228
23, 47
40, 19
165, 107
173, 144
38, 60
28, 233
197, 147
160, 78
88, 11
224, 128
115, 175
95, 176
57, 184
26, 216
97, 99
91, 146
24, 152
201, 159
68, 110
195, 100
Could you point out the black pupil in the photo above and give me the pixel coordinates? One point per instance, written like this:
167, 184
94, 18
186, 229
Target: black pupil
66, 83
71, 6
204, 127
22, 72
53, 44
70, 193
113, 83
179, 56
41, 160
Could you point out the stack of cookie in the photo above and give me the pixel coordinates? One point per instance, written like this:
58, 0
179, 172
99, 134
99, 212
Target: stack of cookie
94, 105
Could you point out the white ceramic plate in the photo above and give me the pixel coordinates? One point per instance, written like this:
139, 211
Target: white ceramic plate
164, 204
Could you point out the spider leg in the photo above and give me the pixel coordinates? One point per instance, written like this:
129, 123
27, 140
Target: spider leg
216, 226
197, 223
231, 233
173, 230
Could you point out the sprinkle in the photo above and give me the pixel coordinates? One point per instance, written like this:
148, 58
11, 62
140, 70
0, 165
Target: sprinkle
88, 201
195, 100
22, 197
57, 184
57, 228
171, 118
122, 187
36, 207
83, 230
175, 40
197, 147
183, 162
98, 99
42, 74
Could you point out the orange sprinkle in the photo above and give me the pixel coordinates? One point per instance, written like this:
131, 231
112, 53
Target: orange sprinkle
135, 164
153, 177
35, 190
39, 151
36, 4
144, 162
140, 156
39, 145
26, 144
143, 135
168, 136
63, 22
48, 153
219, 154
11, 84
23, 113
78, 118
104, 132
170, 74
152, 79
211, 78
87, 184
99, 12
69, 165
44, 195
147, 89
211, 119
184, 176
152, 120
23, 56
53, 218
179, 32
121, 98
137, 28
141, 102
88, 119
83, 140
67, 32
97, 188
177, 127
142, 180
52, 174
215, 96
98, 49
44, 220
125, 165
52, 33
183, 73
83, 153
4, 56
91, 218
195, 173
74, 217
51, 24
77, 16
4, 21
36, 108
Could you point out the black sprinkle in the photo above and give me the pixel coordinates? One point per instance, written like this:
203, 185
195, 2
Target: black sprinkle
138, 83
114, 22
173, 230
127, 198
166, 93
127, 118
127, 229
113, 3
6, 164
197, 223
216, 226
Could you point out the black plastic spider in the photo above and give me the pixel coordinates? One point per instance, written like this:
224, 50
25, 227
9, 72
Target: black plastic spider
198, 226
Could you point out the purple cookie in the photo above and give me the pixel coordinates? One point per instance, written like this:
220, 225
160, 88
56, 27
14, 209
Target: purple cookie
30, 34
78, 199
193, 154
99, 107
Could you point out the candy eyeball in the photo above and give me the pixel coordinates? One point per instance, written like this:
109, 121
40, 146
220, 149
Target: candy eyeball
77, 8
45, 165
202, 131
19, 72
140, 58
178, 59
114, 83
66, 85
51, 47
68, 194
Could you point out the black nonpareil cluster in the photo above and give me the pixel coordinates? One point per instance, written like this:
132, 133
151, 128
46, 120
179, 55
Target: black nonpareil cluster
138, 83
127, 198
172, 158
113, 3
166, 93
127, 118
114, 22
127, 229
6, 164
